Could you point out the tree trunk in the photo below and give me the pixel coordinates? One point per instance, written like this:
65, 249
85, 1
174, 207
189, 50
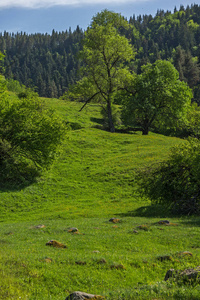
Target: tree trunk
110, 118
145, 128
145, 131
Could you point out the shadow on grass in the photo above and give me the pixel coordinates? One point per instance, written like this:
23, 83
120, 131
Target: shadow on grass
191, 221
97, 120
12, 186
149, 211
17, 181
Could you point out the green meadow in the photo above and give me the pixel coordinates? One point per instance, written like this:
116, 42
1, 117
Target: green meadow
91, 181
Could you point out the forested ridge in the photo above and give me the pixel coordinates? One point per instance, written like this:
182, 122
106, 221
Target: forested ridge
49, 62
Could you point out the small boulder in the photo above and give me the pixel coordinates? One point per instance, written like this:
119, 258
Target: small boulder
39, 226
118, 267
101, 261
164, 258
185, 254
46, 259
144, 227
164, 222
114, 220
185, 275
56, 244
190, 273
170, 274
73, 229
83, 296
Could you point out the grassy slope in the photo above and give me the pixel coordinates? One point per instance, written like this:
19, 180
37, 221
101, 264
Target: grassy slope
91, 181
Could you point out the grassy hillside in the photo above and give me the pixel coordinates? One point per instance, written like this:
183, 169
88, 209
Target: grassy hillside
91, 181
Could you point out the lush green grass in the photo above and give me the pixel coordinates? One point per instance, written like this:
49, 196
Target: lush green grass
90, 182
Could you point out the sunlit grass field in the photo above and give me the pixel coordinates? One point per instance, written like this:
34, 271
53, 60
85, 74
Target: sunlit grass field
92, 181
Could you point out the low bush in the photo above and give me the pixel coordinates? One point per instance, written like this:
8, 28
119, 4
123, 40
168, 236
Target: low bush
176, 181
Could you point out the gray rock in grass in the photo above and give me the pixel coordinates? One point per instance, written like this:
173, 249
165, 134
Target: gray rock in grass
82, 296
185, 275
164, 222
72, 229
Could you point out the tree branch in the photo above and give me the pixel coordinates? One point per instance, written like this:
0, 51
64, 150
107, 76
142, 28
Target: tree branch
87, 101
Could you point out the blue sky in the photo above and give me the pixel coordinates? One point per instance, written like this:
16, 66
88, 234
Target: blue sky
32, 16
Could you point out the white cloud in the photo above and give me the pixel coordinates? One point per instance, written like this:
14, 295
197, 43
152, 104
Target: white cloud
49, 3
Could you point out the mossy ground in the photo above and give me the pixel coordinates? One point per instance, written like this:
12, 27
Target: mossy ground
92, 181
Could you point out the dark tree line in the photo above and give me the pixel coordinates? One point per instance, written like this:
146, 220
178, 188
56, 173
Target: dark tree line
49, 62
172, 36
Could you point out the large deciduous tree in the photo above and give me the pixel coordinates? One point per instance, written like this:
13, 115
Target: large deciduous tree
156, 96
105, 52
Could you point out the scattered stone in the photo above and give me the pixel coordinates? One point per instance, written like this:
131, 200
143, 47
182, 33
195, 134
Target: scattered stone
190, 273
39, 226
164, 222
73, 230
114, 220
47, 259
118, 267
185, 275
170, 274
79, 262
56, 244
144, 227
164, 258
83, 296
135, 231
185, 253
102, 261
96, 251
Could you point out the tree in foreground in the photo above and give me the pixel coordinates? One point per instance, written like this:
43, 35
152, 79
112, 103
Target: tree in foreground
29, 134
175, 182
156, 97
104, 54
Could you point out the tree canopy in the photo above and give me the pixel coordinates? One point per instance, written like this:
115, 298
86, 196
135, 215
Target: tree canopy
105, 52
156, 97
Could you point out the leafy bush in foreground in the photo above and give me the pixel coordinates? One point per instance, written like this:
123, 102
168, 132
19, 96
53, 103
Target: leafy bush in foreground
175, 182
29, 135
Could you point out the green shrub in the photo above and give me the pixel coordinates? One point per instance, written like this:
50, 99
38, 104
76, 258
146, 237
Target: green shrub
30, 134
175, 182
15, 86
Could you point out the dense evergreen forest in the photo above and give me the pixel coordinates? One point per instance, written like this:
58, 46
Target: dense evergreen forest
49, 62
